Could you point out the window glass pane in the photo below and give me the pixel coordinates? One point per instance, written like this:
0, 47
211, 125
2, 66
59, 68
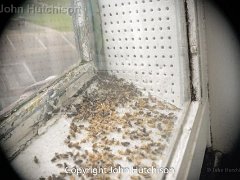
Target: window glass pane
37, 46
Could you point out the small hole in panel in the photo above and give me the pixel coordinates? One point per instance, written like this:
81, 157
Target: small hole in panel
167, 8
159, 9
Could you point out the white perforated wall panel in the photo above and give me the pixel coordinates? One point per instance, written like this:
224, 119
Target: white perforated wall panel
142, 45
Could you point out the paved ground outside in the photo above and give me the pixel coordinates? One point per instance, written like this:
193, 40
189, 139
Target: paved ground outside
29, 54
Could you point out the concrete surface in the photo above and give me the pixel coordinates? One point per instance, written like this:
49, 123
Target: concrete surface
29, 54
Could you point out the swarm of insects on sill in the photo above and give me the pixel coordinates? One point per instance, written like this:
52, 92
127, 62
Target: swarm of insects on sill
115, 123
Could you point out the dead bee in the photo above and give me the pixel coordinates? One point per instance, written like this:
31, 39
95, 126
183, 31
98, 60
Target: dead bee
59, 165
66, 141
36, 160
75, 156
63, 156
129, 159
72, 133
135, 178
72, 177
119, 130
125, 144
65, 165
54, 159
78, 162
73, 127
70, 154
63, 174
76, 145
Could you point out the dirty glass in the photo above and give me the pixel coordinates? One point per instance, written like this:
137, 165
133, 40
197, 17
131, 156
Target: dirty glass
37, 46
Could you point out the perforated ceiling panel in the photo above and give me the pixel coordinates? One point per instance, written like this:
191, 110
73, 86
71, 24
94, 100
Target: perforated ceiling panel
142, 45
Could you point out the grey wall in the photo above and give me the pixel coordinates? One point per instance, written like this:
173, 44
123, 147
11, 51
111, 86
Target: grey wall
224, 79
